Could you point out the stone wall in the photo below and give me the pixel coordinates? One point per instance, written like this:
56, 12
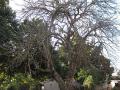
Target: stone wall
51, 85
103, 87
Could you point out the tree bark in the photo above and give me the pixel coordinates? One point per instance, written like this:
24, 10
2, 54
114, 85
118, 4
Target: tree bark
70, 84
59, 80
70, 81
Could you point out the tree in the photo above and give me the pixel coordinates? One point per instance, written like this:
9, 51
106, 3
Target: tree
118, 73
29, 52
97, 72
8, 34
8, 23
27, 56
74, 24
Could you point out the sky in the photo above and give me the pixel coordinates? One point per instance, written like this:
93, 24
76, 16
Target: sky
17, 5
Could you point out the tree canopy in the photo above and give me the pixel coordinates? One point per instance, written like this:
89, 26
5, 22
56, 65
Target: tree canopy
58, 39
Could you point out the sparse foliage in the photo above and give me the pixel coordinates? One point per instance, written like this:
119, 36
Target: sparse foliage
75, 24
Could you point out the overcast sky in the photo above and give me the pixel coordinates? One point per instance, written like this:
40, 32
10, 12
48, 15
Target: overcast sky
17, 5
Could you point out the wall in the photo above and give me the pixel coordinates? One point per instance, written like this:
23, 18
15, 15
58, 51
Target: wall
51, 85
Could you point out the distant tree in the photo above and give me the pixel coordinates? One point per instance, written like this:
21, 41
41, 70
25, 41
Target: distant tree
99, 68
118, 73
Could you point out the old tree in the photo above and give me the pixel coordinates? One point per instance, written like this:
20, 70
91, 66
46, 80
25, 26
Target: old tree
77, 27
